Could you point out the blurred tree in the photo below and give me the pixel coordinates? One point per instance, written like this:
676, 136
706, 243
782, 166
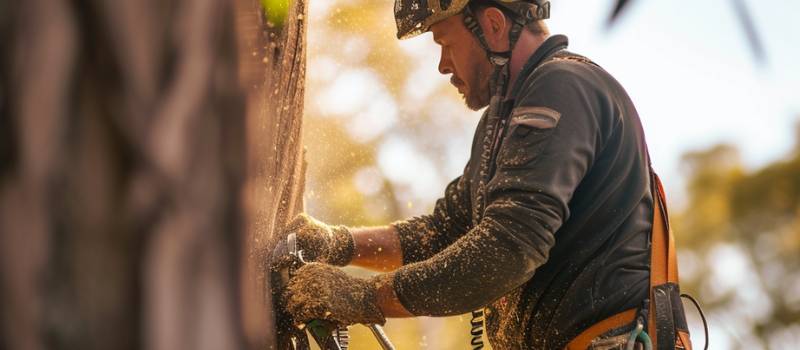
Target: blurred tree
120, 181
748, 226
383, 140
711, 174
123, 156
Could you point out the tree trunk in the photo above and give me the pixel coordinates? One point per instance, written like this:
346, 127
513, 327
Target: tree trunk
123, 156
273, 70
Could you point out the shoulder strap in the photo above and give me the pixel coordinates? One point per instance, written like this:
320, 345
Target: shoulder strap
665, 317
663, 260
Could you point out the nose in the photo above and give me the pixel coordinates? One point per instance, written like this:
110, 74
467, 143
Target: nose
445, 66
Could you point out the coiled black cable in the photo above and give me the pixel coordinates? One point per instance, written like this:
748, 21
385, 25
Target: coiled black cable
476, 330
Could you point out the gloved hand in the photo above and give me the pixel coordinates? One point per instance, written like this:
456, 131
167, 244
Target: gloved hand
321, 242
319, 291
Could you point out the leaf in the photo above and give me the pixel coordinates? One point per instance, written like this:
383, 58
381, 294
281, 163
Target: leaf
620, 4
746, 20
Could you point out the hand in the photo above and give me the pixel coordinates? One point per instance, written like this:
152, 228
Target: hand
319, 291
321, 242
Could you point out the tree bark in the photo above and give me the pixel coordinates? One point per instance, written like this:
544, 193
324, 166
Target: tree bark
273, 71
126, 141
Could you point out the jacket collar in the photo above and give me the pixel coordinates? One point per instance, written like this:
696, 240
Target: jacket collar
549, 47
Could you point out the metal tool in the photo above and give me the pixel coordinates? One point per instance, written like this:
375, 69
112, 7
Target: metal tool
325, 333
381, 337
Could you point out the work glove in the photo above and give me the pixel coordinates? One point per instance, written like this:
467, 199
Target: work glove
324, 292
321, 242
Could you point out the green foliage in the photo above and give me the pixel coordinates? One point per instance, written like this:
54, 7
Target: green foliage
756, 215
772, 192
275, 11
711, 174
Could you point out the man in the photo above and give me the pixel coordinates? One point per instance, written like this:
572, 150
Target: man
547, 230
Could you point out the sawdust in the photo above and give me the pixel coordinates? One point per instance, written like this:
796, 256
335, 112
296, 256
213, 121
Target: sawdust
497, 263
322, 242
522, 146
504, 322
419, 237
320, 291
424, 236
493, 259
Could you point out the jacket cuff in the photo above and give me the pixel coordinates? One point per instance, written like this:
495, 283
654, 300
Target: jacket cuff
342, 247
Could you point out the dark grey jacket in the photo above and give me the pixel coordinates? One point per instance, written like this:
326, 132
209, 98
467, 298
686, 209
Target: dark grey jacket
563, 240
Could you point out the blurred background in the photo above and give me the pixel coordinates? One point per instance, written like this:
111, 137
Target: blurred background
385, 132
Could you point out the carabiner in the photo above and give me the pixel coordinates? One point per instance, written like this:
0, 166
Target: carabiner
639, 334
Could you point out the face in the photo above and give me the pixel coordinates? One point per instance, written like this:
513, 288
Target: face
462, 56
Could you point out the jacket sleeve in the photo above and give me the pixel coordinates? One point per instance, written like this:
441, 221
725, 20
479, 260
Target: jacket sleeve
549, 145
422, 237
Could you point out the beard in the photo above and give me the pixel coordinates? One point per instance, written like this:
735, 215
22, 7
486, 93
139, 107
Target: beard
477, 94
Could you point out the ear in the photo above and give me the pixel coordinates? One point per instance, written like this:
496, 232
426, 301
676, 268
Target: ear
494, 25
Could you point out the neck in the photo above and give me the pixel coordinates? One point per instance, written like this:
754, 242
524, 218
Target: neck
526, 45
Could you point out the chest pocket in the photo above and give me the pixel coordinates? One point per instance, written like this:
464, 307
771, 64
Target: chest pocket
528, 133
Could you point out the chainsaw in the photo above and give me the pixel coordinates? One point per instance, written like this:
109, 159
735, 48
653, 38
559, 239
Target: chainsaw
327, 335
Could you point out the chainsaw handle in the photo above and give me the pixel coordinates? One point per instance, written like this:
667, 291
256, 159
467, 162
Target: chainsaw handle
381, 337
323, 333
321, 330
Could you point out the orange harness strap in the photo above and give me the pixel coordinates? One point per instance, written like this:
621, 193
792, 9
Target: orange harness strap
583, 340
663, 261
663, 269
659, 255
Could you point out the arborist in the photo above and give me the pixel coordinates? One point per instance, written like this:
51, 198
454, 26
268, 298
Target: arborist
554, 233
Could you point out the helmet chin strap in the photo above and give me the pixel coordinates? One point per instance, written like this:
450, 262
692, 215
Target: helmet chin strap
498, 85
498, 59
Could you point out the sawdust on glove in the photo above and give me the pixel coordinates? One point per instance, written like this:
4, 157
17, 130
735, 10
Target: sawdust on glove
322, 242
320, 291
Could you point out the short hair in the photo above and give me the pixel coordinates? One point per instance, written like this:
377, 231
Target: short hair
537, 27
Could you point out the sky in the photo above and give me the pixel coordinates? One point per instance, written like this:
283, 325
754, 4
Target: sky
692, 75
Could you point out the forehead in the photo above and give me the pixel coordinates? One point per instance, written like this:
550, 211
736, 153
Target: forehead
448, 27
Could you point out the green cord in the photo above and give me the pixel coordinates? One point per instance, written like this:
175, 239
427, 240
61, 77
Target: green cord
634, 334
638, 333
645, 339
